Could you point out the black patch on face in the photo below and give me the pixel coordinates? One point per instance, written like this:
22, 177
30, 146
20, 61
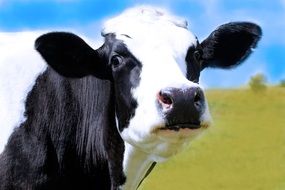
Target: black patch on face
126, 71
194, 60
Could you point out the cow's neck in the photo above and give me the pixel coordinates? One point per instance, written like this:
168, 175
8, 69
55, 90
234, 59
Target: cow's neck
136, 166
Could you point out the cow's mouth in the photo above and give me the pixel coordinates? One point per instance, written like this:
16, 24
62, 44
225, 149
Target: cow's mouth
178, 126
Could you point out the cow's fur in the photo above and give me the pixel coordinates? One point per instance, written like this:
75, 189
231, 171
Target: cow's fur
95, 118
55, 151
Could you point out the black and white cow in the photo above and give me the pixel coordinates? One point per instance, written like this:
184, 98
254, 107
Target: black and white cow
101, 119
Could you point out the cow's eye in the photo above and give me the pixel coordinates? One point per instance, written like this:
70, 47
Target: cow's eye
116, 61
198, 55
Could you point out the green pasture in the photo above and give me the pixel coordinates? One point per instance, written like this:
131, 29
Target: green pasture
244, 150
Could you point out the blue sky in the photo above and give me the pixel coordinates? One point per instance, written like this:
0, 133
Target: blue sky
204, 16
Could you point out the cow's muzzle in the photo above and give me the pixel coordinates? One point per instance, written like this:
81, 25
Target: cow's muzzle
181, 107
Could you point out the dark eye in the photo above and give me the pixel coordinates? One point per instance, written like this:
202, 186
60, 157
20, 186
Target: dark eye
197, 55
116, 61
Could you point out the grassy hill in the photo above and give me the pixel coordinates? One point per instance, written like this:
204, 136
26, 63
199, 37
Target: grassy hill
244, 150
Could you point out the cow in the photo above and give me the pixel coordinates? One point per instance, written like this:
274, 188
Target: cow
102, 118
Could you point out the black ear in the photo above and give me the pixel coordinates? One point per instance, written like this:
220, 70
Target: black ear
230, 44
70, 56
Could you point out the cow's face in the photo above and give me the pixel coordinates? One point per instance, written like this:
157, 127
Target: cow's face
154, 63
158, 104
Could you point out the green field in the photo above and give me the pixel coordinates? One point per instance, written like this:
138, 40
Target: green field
244, 150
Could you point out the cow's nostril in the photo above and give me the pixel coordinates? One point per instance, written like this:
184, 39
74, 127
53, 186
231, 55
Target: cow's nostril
198, 98
165, 99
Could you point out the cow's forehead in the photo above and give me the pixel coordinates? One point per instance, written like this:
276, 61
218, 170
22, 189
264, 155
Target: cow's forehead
149, 29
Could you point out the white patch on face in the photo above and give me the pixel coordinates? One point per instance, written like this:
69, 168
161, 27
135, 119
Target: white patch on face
160, 42
153, 28
20, 65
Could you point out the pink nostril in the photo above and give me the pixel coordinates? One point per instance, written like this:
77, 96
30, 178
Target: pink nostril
164, 99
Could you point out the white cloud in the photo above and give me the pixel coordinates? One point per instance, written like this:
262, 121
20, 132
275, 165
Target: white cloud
282, 2
211, 7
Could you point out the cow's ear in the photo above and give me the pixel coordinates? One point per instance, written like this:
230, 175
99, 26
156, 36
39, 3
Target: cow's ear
230, 44
71, 56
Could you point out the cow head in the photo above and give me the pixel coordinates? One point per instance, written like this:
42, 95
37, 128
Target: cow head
154, 63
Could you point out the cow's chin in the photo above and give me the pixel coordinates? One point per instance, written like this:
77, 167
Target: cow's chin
163, 141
